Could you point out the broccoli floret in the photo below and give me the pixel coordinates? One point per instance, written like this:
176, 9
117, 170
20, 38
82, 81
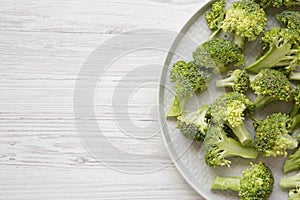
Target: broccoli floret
294, 194
246, 19
290, 181
270, 85
216, 54
230, 109
188, 80
256, 183
289, 19
238, 80
282, 50
272, 136
291, 3
218, 147
216, 16
194, 125
292, 163
277, 3
270, 3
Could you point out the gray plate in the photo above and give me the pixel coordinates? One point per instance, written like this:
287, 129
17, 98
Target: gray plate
187, 156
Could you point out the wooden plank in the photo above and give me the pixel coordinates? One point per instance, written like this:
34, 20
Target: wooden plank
43, 46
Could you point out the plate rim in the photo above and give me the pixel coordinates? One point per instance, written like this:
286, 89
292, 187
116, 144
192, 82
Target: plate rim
178, 164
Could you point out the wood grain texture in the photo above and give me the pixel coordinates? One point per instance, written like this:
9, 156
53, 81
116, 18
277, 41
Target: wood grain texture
43, 46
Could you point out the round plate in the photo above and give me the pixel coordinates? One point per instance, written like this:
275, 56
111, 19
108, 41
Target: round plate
188, 157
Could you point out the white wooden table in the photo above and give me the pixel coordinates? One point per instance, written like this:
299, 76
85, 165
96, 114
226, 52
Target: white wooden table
44, 44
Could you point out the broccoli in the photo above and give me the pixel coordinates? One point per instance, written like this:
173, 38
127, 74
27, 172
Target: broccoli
295, 122
256, 183
277, 3
270, 85
246, 19
218, 146
194, 125
272, 136
291, 3
296, 107
188, 80
230, 109
292, 163
290, 181
294, 113
216, 54
294, 76
238, 80
289, 19
294, 194
215, 17
270, 3
282, 50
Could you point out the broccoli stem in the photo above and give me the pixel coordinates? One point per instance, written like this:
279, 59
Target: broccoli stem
227, 82
292, 163
290, 166
262, 101
242, 134
289, 141
237, 39
234, 148
214, 33
294, 111
177, 107
294, 76
290, 182
294, 195
226, 183
270, 59
295, 122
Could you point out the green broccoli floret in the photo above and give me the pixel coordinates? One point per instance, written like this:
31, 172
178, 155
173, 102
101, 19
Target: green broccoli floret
216, 54
272, 136
282, 50
246, 19
292, 163
270, 85
277, 3
194, 125
188, 80
230, 109
289, 19
256, 183
290, 181
216, 16
218, 147
291, 3
238, 80
294, 194
270, 3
